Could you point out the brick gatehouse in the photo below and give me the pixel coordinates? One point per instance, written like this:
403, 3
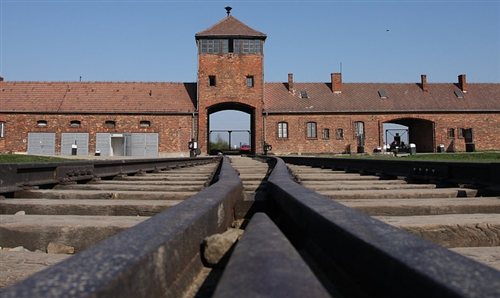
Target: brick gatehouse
160, 118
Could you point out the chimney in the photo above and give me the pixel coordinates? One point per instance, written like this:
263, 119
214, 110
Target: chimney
462, 83
290, 82
423, 83
1, 79
336, 82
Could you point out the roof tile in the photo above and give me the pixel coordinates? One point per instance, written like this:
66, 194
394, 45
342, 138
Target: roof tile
97, 97
364, 97
230, 26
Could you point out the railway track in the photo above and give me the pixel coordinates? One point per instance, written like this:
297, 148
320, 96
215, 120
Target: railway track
453, 217
140, 231
71, 217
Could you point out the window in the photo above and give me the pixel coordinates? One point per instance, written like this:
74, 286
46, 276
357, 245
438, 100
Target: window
250, 82
339, 134
451, 133
468, 135
459, 94
461, 133
75, 123
110, 124
282, 130
382, 94
359, 132
145, 123
2, 129
326, 134
311, 130
214, 46
248, 46
303, 94
42, 123
211, 81
359, 128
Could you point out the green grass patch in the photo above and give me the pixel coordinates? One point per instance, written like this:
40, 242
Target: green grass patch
15, 158
458, 157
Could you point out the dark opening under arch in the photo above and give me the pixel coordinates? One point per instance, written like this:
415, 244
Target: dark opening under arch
420, 132
233, 106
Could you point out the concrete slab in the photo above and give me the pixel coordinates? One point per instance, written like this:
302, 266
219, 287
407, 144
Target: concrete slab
400, 194
451, 230
335, 177
130, 187
162, 178
86, 207
406, 207
313, 183
145, 182
369, 186
252, 175
176, 174
16, 266
37, 231
67, 194
487, 255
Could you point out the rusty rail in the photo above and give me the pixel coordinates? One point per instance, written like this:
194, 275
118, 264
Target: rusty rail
357, 255
14, 177
156, 258
481, 174
305, 245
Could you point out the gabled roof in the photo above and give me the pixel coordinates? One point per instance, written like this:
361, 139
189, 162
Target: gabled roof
366, 98
230, 27
97, 97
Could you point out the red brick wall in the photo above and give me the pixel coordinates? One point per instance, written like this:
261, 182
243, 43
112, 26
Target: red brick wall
230, 71
486, 127
174, 131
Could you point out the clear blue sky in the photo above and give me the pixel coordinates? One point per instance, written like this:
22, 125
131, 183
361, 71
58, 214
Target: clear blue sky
376, 41
154, 40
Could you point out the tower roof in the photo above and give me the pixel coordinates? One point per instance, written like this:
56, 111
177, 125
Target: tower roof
230, 27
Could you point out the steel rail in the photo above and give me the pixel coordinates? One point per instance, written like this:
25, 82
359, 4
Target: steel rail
356, 255
14, 177
156, 258
480, 174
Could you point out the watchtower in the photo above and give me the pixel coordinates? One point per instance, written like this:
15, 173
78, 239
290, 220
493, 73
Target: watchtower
230, 75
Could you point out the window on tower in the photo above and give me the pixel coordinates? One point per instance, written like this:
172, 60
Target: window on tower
214, 46
248, 46
211, 81
223, 46
250, 82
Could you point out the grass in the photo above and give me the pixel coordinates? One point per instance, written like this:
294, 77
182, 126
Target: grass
15, 158
458, 157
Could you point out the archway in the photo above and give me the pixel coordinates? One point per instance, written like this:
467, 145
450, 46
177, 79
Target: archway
412, 130
232, 122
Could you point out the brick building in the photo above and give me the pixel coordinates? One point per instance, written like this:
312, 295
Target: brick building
151, 119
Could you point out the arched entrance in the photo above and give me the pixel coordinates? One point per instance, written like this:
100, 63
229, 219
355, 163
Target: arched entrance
233, 134
418, 131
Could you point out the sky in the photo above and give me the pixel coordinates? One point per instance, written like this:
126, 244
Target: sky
369, 41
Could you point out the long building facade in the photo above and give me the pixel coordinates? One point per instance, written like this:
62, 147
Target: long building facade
160, 119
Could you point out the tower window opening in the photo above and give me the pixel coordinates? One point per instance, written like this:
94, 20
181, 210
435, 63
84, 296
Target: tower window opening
248, 46
250, 81
214, 46
211, 81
